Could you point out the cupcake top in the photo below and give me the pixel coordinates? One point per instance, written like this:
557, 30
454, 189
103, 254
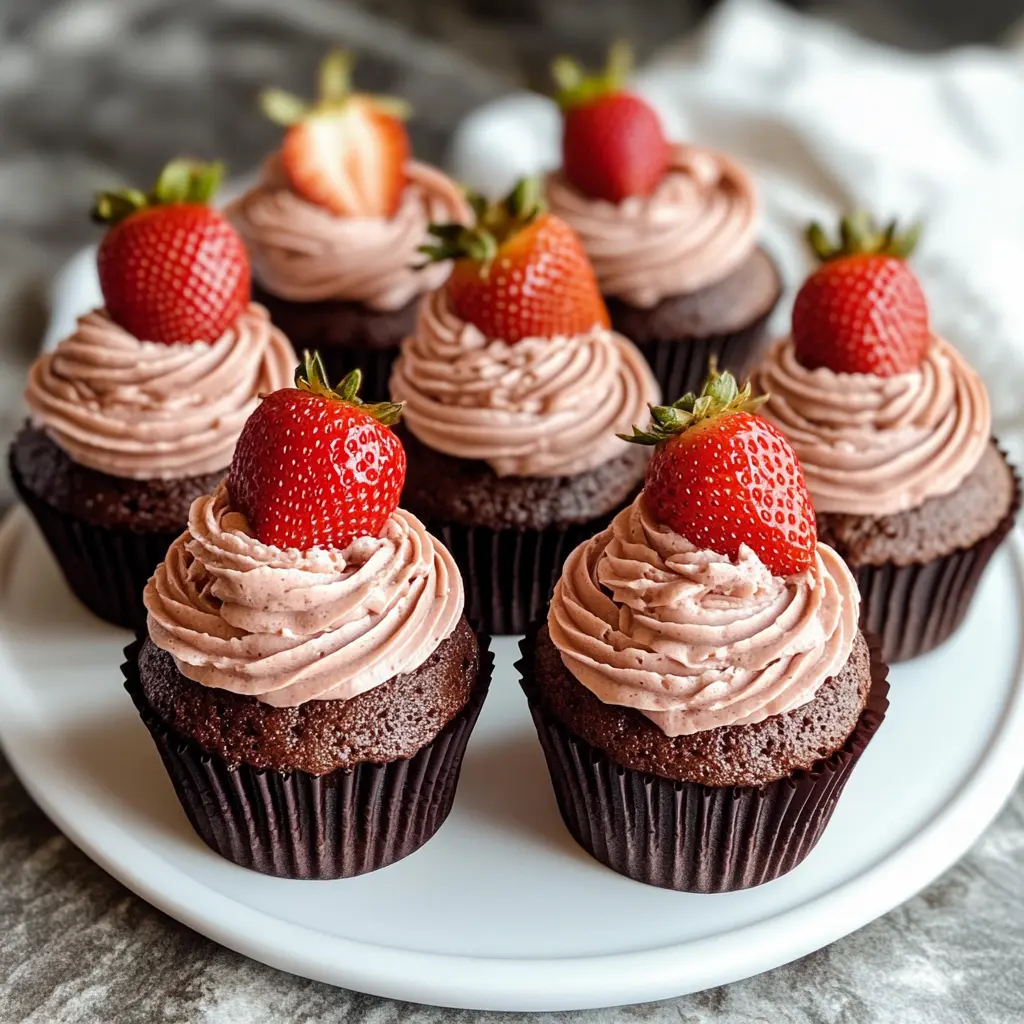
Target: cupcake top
657, 219
149, 410
158, 384
696, 227
883, 413
306, 252
708, 602
874, 445
341, 211
512, 361
298, 582
288, 626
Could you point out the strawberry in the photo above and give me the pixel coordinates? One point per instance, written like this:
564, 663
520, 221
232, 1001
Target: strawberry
348, 151
521, 272
171, 268
721, 476
613, 145
315, 466
863, 310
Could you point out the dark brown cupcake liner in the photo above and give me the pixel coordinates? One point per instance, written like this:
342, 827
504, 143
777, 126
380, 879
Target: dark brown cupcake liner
681, 365
312, 326
686, 835
914, 608
298, 825
107, 568
510, 574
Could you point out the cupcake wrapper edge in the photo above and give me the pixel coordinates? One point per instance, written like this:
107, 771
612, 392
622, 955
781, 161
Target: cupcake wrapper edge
914, 608
298, 825
688, 836
107, 568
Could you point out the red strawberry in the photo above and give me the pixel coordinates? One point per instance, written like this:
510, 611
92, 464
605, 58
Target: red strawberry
613, 145
348, 152
863, 310
171, 269
721, 477
315, 467
521, 272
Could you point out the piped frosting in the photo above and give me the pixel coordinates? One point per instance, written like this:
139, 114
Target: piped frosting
542, 407
305, 253
289, 626
695, 640
146, 410
697, 227
878, 445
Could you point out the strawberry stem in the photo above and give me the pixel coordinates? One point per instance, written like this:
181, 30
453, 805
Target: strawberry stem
720, 396
496, 223
334, 90
575, 87
860, 235
181, 181
311, 376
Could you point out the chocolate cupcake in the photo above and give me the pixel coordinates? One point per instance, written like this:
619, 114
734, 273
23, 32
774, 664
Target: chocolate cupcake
700, 687
893, 429
514, 388
137, 412
671, 230
334, 247
309, 677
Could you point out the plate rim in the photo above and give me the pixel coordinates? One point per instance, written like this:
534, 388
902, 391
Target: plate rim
541, 984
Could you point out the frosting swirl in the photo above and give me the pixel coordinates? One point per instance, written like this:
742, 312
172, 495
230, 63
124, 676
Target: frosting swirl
692, 639
878, 445
305, 253
543, 407
146, 410
695, 229
289, 626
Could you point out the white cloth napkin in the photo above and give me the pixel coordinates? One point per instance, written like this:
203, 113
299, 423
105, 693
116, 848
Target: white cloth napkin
830, 122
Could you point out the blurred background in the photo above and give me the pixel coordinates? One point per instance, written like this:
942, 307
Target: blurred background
98, 92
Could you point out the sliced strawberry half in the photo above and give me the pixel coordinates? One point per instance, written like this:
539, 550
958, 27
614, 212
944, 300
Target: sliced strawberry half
348, 151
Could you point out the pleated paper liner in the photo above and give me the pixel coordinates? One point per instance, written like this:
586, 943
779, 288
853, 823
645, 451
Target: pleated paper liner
510, 574
914, 608
107, 568
298, 825
688, 836
681, 365
311, 325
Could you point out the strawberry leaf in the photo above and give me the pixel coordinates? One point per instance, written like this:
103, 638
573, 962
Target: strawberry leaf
720, 396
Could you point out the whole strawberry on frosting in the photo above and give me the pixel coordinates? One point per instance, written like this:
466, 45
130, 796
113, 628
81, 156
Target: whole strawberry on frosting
346, 152
317, 467
519, 271
613, 145
171, 268
863, 310
721, 476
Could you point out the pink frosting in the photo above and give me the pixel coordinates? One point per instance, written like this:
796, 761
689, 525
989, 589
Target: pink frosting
697, 227
145, 410
541, 407
289, 626
306, 253
879, 445
695, 640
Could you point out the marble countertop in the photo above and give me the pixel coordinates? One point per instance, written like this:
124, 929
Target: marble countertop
93, 91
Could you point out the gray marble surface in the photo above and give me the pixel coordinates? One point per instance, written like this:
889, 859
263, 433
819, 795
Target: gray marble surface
94, 91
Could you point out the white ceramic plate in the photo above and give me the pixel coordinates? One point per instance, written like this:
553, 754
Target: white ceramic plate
501, 910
